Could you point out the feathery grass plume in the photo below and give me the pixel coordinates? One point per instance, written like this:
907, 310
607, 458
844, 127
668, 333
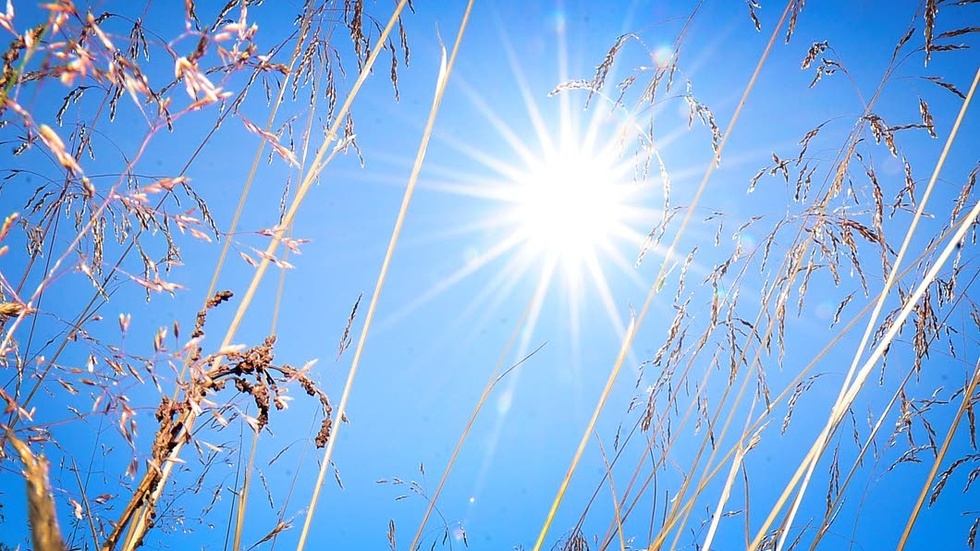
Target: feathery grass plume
12, 309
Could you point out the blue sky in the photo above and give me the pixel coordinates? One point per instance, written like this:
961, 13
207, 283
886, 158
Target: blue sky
470, 262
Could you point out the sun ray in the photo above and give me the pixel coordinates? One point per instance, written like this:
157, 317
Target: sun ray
473, 265
541, 128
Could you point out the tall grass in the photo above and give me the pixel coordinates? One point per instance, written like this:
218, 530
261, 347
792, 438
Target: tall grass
872, 226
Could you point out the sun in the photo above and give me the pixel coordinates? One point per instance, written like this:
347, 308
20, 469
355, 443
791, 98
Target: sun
570, 207
561, 209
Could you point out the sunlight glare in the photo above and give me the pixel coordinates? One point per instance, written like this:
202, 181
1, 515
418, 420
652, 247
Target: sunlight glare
569, 207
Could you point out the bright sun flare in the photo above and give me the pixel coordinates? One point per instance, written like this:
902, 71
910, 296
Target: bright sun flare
569, 207
573, 212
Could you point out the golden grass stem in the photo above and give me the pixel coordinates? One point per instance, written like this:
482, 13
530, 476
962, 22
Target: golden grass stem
610, 381
279, 294
87, 506
617, 514
444, 72
250, 466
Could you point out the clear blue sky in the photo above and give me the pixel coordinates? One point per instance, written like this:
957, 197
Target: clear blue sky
469, 264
